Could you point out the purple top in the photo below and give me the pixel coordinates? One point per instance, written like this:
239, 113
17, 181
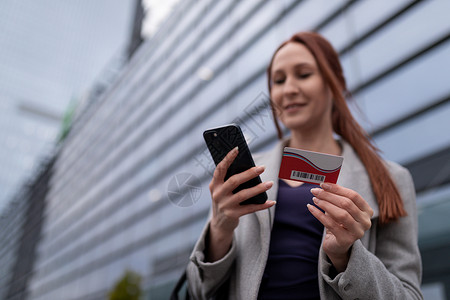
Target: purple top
291, 269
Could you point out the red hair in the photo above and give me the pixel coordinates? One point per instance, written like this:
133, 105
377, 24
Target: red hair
387, 195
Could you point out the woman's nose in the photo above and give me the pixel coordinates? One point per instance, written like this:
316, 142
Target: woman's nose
290, 87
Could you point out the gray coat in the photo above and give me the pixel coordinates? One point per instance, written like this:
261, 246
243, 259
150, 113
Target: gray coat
384, 264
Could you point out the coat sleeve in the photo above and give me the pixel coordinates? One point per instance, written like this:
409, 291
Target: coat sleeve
394, 271
205, 278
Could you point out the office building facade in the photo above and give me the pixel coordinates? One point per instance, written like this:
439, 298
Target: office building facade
129, 189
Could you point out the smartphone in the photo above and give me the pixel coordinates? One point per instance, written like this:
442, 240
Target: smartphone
222, 140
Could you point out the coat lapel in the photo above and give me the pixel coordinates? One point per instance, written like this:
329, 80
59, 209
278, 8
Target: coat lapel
272, 161
354, 176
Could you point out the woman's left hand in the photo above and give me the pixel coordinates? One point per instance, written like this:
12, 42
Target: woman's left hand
346, 217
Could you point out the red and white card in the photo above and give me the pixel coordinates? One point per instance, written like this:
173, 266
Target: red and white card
309, 166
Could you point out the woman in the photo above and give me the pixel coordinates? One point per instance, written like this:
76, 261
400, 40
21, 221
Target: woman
358, 240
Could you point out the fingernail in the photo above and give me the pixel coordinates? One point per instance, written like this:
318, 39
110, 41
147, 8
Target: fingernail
236, 149
269, 184
325, 186
316, 201
260, 169
315, 191
309, 206
271, 202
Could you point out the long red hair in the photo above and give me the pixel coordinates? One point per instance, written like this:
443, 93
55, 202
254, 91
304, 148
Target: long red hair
387, 195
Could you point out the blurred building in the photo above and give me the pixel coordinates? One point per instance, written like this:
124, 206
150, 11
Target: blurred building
21, 233
50, 55
129, 187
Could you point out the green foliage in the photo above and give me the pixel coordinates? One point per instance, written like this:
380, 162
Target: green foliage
67, 120
127, 288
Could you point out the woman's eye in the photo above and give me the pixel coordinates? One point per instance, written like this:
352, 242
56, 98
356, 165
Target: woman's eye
278, 80
304, 75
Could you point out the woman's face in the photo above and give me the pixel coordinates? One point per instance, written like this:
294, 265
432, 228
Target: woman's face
300, 96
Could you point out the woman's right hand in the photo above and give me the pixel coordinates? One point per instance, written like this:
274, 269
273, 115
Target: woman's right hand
226, 209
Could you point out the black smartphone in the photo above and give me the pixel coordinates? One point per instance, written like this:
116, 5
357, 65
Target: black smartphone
222, 140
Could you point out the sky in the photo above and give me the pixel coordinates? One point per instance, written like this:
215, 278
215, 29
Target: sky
156, 13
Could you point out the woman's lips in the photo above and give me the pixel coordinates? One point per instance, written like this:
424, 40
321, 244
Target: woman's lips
293, 107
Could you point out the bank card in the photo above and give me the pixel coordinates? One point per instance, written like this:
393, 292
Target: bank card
309, 166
